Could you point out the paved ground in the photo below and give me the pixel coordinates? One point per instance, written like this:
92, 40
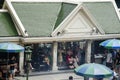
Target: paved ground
61, 76
56, 76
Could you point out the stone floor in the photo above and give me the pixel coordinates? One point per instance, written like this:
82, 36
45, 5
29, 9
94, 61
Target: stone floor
53, 76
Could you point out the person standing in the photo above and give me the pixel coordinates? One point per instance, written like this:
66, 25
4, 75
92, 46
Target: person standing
117, 62
114, 53
46, 63
109, 59
60, 58
71, 62
104, 58
12, 66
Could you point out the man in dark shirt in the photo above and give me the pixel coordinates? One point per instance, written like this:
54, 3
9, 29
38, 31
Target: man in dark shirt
117, 62
12, 66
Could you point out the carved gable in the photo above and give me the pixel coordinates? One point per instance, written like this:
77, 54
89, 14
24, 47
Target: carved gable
79, 23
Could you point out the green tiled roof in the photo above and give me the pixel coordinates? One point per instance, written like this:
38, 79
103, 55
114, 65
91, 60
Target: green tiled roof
39, 18
7, 27
65, 10
105, 15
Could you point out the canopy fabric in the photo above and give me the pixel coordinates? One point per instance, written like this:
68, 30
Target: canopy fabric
94, 70
10, 47
111, 44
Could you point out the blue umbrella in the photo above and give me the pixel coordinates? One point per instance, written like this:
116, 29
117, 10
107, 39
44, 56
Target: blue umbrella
111, 44
93, 70
10, 47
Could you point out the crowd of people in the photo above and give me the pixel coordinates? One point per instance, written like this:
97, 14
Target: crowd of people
111, 59
71, 58
41, 62
9, 70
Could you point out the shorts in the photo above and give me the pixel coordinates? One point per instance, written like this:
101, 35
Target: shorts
109, 65
12, 71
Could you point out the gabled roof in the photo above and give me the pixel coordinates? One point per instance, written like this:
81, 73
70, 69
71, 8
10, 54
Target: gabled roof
7, 27
37, 18
66, 9
105, 15
79, 22
40, 18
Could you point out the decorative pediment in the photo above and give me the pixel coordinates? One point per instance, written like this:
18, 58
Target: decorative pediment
79, 22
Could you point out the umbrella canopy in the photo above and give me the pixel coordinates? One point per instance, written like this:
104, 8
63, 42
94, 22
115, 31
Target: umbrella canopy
111, 43
10, 47
93, 70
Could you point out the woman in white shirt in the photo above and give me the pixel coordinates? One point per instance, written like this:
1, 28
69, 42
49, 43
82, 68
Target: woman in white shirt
109, 60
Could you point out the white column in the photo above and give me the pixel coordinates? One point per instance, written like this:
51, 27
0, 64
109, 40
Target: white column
55, 45
21, 62
88, 51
